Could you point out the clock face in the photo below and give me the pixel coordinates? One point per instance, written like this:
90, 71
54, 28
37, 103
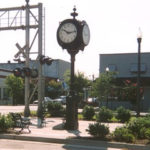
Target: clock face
67, 32
86, 34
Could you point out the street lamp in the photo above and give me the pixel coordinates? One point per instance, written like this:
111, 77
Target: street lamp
107, 70
139, 39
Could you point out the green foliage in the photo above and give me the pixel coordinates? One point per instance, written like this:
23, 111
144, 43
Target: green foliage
130, 91
142, 132
15, 87
5, 122
104, 115
123, 134
123, 114
55, 109
53, 89
80, 82
98, 130
88, 112
147, 133
139, 126
104, 85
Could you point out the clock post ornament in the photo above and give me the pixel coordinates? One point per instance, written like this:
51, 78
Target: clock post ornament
72, 35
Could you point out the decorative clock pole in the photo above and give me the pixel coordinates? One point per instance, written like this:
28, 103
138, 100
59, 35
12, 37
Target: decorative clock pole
72, 35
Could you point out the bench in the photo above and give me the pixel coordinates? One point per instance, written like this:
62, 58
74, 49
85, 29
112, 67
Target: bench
20, 122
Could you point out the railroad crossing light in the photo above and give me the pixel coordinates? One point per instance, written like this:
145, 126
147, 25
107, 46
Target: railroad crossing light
26, 72
46, 60
49, 61
34, 73
17, 72
42, 59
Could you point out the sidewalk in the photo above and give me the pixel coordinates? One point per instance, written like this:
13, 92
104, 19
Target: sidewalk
54, 132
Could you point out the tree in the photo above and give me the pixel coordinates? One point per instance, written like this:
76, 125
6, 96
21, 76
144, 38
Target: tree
53, 89
104, 86
130, 91
15, 87
80, 82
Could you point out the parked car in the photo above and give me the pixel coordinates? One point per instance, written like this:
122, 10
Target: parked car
45, 101
92, 101
61, 99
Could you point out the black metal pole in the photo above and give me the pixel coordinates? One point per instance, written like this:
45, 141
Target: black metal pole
71, 106
139, 39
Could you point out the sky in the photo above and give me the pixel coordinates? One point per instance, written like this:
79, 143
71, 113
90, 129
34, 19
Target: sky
113, 24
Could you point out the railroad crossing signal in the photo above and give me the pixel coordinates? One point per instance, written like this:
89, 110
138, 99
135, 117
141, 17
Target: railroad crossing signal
46, 60
18, 72
21, 51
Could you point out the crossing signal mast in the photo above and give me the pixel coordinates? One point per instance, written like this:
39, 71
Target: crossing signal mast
26, 18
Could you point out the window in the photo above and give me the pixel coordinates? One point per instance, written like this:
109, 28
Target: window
0, 93
112, 68
5, 94
134, 68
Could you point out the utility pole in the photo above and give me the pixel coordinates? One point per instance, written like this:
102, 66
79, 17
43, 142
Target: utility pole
40, 77
27, 51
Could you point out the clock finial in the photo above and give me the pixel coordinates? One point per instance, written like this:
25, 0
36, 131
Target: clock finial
74, 14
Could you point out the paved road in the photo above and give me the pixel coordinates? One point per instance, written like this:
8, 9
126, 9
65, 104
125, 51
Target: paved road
27, 145
7, 109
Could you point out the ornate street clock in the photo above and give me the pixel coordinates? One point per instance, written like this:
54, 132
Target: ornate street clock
73, 35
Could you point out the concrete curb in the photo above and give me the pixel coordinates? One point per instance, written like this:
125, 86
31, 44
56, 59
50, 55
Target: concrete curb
87, 142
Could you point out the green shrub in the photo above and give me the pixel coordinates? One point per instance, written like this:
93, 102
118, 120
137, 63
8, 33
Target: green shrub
123, 114
88, 112
55, 109
98, 130
123, 134
147, 134
137, 125
5, 122
144, 133
104, 115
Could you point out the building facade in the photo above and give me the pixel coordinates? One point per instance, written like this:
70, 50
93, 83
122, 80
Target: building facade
4, 98
54, 71
126, 66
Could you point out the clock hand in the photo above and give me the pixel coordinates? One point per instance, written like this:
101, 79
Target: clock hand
68, 32
71, 32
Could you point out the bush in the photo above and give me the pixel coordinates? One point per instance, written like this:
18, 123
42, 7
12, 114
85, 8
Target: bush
104, 115
5, 122
144, 133
55, 109
88, 112
123, 114
123, 134
147, 134
137, 126
98, 130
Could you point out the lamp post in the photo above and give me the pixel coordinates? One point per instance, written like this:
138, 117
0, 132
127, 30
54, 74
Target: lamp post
107, 70
139, 39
